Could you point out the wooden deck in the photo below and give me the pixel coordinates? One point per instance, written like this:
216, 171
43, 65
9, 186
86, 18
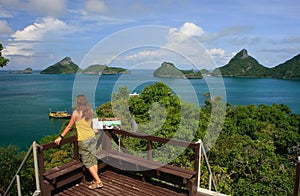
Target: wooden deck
122, 173
120, 183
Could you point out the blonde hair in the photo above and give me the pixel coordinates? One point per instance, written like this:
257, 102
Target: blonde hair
82, 104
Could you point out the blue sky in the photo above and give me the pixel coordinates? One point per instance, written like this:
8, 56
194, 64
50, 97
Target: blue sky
38, 33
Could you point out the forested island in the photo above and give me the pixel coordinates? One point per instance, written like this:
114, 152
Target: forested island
67, 66
105, 70
254, 154
241, 65
168, 70
27, 70
244, 65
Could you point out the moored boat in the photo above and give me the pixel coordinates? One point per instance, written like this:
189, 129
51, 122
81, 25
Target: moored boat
59, 114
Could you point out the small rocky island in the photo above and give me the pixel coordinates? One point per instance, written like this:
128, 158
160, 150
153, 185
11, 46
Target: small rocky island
28, 70
67, 66
104, 70
168, 70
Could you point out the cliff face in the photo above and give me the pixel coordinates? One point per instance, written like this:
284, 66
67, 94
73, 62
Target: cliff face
65, 66
243, 65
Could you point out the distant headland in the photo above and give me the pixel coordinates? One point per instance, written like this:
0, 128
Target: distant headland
241, 65
67, 66
28, 70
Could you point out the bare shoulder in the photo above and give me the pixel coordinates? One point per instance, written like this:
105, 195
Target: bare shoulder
77, 114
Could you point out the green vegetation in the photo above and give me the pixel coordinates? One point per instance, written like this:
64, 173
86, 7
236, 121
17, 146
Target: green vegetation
65, 66
243, 65
104, 70
255, 153
289, 69
168, 70
3, 61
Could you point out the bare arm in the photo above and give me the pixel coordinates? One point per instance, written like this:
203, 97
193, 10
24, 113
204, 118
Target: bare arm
66, 130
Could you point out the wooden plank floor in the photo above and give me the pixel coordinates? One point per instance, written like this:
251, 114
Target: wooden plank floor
118, 184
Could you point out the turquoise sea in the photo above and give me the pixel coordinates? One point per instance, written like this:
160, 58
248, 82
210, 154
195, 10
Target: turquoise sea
25, 100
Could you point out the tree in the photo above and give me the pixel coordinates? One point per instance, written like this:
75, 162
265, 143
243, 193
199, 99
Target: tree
3, 61
10, 160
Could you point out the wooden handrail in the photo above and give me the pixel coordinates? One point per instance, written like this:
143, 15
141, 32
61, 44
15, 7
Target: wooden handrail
150, 138
154, 138
50, 145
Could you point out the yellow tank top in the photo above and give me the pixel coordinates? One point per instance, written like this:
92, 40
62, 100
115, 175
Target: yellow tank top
84, 129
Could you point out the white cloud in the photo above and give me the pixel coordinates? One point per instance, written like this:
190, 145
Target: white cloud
219, 55
37, 31
185, 32
182, 47
5, 28
184, 44
144, 54
96, 6
26, 42
191, 29
216, 52
19, 49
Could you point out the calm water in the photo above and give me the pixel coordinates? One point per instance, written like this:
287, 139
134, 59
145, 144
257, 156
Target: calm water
25, 99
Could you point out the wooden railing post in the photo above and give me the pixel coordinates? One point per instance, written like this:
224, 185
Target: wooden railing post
149, 150
297, 180
106, 140
197, 158
41, 167
75, 143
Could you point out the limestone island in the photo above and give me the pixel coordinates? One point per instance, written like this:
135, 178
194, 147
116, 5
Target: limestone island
28, 70
67, 66
168, 70
104, 70
244, 65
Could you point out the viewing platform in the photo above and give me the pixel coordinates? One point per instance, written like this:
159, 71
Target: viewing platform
121, 172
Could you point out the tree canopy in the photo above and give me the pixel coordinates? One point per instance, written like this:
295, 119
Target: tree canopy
3, 61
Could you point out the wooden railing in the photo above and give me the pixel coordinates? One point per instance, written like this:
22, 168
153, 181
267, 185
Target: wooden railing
112, 134
186, 178
297, 180
54, 178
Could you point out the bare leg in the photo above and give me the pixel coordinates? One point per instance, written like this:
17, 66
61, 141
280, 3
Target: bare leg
94, 171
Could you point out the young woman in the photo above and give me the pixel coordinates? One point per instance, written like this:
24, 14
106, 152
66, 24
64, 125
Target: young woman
82, 117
